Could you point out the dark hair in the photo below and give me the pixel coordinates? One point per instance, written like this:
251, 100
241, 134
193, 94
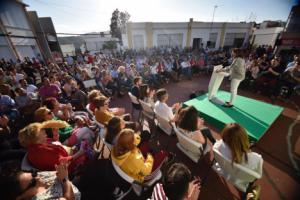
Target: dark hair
188, 118
49, 103
137, 79
99, 101
11, 183
143, 91
176, 181
161, 93
238, 52
113, 129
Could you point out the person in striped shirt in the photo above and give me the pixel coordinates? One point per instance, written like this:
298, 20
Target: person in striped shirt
177, 185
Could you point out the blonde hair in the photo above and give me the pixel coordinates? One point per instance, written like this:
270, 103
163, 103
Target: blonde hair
92, 95
236, 138
40, 113
125, 142
121, 69
30, 133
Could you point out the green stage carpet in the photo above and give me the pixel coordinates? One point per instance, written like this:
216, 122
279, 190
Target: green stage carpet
255, 116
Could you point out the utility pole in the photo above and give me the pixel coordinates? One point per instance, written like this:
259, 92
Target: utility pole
212, 21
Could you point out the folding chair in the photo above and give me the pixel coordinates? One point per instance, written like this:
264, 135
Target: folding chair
194, 150
135, 101
164, 124
89, 84
240, 176
134, 185
149, 114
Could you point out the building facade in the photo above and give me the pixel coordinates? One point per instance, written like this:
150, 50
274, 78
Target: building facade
94, 41
291, 33
141, 35
266, 36
17, 38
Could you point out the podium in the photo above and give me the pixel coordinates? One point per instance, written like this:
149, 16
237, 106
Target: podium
215, 83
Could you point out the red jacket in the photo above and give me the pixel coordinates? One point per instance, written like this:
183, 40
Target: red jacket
46, 156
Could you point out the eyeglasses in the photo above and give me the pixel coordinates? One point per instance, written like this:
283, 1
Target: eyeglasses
32, 182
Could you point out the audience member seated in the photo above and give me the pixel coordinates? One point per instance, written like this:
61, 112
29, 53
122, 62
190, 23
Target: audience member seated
43, 114
43, 155
177, 184
113, 128
162, 108
39, 185
30, 89
268, 80
60, 111
135, 90
91, 97
235, 146
25, 103
8, 107
102, 113
131, 160
49, 90
192, 126
291, 78
147, 95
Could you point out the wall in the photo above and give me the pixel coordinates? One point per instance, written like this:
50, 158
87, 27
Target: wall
68, 49
15, 21
266, 36
198, 30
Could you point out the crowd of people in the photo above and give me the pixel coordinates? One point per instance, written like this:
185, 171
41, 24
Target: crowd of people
50, 122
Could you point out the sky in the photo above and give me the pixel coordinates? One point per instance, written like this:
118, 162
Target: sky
82, 16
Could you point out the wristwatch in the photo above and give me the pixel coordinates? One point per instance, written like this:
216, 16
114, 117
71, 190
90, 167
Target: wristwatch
65, 180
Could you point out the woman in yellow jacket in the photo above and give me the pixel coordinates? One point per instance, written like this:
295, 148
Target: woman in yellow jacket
130, 158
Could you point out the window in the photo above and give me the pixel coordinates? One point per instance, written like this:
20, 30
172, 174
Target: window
170, 40
234, 39
212, 40
138, 41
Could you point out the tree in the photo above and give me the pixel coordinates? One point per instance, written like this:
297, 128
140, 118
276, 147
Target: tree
118, 23
110, 45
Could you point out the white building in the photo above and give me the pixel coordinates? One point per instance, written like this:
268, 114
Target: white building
94, 41
266, 36
17, 39
140, 35
68, 49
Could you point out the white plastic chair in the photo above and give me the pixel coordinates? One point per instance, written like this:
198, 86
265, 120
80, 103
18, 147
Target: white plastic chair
193, 149
164, 124
87, 107
89, 83
147, 110
237, 174
135, 186
134, 100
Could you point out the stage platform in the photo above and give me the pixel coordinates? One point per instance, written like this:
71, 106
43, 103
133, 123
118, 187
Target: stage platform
255, 116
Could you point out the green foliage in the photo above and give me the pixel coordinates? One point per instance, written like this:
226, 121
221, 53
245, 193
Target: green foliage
110, 45
118, 23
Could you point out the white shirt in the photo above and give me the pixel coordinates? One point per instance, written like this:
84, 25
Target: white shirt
185, 64
31, 89
163, 110
19, 77
153, 69
253, 158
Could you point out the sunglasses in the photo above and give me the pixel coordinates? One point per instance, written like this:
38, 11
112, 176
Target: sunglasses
32, 182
